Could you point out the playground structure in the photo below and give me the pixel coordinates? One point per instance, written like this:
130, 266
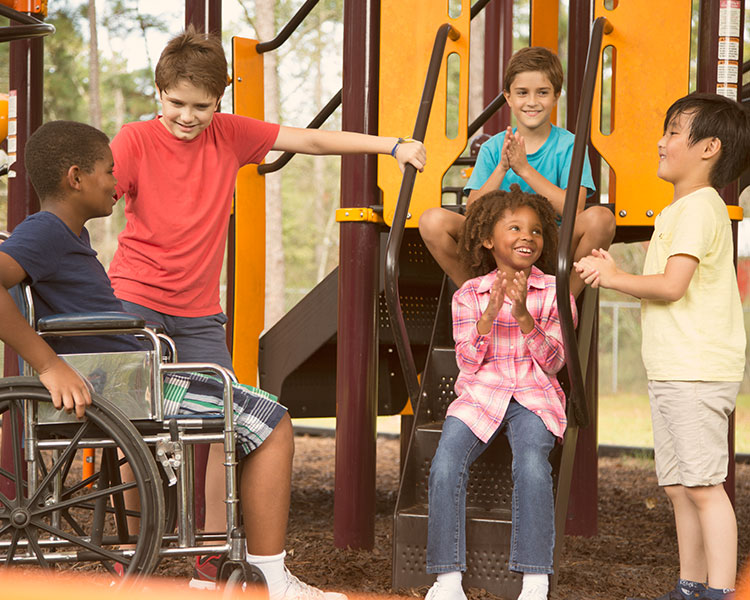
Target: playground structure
391, 318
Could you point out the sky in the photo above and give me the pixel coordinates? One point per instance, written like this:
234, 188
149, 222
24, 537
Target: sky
170, 11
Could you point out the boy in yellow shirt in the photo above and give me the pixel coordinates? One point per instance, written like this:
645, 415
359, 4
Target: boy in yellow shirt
693, 333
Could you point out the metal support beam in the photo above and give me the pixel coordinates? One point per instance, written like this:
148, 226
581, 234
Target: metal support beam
714, 16
582, 506
498, 47
356, 374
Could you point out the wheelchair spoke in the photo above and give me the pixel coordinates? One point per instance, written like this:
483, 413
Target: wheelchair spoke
12, 547
5, 501
31, 537
72, 522
67, 455
103, 552
118, 501
73, 502
80, 485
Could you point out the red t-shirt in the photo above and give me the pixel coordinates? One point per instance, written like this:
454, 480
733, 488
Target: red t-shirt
178, 198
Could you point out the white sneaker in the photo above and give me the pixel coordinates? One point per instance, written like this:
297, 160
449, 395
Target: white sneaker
441, 591
200, 584
297, 590
534, 592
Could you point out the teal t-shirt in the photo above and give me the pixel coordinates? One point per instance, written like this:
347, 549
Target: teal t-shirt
551, 161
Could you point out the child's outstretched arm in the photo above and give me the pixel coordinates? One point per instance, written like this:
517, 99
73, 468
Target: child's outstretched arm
320, 141
541, 185
600, 269
471, 333
67, 389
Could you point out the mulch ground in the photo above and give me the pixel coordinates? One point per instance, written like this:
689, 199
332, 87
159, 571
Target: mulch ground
634, 552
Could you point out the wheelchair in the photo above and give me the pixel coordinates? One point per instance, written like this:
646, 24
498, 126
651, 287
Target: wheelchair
133, 504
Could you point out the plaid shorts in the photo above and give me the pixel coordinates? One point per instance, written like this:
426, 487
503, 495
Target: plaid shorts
256, 412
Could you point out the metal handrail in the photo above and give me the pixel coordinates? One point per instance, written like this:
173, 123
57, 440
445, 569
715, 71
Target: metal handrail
288, 29
395, 237
577, 397
31, 28
478, 7
496, 104
317, 121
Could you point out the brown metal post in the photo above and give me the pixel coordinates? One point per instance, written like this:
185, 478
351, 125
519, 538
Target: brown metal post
207, 16
356, 374
498, 46
26, 82
582, 506
203, 15
708, 58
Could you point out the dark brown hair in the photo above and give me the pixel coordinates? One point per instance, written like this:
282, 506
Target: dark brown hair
483, 215
58, 145
534, 58
714, 116
195, 57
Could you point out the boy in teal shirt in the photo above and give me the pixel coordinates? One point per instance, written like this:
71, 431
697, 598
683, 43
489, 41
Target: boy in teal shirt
536, 156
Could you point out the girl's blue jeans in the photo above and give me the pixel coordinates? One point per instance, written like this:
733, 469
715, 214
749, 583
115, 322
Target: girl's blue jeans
533, 528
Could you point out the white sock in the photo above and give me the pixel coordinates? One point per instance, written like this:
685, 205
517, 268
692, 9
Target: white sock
452, 579
273, 570
535, 580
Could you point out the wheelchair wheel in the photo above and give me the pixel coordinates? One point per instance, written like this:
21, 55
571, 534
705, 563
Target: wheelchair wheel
51, 516
241, 576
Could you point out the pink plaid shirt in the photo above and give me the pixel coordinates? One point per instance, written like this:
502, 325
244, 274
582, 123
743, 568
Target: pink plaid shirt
505, 363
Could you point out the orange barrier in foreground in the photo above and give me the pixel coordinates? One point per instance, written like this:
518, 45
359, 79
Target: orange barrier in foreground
743, 583
32, 584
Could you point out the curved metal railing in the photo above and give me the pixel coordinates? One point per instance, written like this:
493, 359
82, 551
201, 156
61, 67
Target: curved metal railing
577, 396
288, 29
395, 237
317, 121
30, 27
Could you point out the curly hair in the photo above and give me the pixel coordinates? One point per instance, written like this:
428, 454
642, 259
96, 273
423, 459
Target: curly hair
486, 211
58, 145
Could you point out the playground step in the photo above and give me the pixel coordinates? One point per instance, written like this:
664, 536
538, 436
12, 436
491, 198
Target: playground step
487, 549
490, 479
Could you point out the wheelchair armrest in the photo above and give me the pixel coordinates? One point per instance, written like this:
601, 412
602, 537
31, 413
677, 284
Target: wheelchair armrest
90, 321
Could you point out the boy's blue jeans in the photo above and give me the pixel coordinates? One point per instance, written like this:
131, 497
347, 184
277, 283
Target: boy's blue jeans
533, 529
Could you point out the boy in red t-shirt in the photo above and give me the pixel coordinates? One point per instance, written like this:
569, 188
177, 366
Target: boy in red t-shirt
177, 173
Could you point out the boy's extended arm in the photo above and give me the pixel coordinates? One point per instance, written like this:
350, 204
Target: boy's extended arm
67, 389
670, 286
319, 141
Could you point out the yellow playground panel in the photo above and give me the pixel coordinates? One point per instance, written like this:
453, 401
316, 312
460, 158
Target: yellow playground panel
249, 220
650, 44
407, 35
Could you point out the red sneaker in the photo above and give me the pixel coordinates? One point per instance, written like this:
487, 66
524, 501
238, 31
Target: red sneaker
205, 571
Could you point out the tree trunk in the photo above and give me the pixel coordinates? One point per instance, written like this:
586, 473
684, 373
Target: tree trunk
95, 104
275, 278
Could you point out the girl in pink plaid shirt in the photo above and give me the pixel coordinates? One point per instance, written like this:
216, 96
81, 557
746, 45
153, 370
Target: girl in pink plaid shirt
508, 348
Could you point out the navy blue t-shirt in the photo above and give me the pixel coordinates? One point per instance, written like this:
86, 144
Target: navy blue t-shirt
65, 277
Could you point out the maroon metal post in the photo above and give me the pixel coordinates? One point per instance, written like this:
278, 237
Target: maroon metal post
26, 82
498, 46
356, 374
710, 80
203, 15
206, 16
582, 505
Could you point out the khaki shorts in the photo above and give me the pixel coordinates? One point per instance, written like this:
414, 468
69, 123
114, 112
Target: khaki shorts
691, 420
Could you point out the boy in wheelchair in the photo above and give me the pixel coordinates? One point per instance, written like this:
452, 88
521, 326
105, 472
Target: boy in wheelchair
71, 168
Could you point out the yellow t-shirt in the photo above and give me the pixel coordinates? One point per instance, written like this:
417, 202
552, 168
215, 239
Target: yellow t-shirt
701, 337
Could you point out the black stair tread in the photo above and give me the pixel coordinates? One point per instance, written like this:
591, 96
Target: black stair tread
431, 427
474, 514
